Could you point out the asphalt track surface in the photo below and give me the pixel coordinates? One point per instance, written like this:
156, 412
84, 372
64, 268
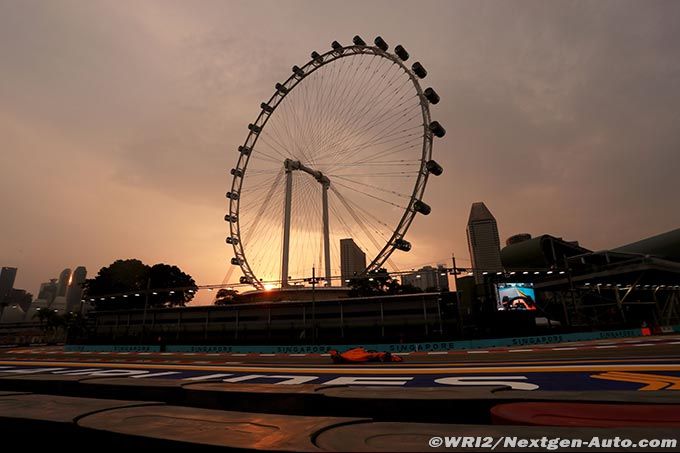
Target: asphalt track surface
643, 363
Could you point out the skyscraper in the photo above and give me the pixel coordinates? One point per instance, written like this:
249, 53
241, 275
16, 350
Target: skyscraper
63, 282
48, 291
483, 241
75, 289
352, 259
428, 278
7, 277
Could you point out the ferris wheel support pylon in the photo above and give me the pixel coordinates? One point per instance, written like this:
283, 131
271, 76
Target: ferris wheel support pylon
291, 165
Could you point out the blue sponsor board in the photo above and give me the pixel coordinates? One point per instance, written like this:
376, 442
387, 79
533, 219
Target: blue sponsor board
393, 347
412, 347
111, 348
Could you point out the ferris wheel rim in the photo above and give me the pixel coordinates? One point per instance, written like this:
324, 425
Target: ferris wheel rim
282, 90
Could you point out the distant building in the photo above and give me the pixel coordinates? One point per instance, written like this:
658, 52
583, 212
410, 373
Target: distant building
74, 292
352, 260
483, 241
48, 291
542, 252
428, 278
517, 238
19, 298
7, 277
63, 282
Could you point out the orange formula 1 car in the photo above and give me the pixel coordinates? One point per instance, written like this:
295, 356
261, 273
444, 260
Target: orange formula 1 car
361, 355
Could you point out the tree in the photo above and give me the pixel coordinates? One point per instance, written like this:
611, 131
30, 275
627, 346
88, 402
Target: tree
226, 296
49, 320
171, 286
74, 324
164, 276
377, 283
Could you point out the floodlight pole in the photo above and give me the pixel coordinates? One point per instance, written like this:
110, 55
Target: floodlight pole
459, 308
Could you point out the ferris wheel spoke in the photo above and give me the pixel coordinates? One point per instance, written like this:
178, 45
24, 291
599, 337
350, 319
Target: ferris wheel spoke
376, 135
358, 219
369, 195
381, 189
346, 105
377, 149
377, 104
355, 119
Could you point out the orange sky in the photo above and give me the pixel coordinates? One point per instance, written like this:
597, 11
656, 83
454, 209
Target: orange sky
120, 120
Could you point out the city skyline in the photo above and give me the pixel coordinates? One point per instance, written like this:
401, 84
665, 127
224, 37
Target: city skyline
571, 134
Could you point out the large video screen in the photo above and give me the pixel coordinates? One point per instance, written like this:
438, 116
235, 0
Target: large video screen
515, 296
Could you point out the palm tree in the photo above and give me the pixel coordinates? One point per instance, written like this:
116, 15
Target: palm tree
49, 320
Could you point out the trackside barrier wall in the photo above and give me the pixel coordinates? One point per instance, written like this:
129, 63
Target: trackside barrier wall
404, 347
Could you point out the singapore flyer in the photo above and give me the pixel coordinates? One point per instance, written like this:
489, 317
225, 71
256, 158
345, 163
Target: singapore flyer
342, 150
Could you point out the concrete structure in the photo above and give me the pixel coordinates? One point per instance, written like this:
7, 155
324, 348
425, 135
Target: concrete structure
483, 241
7, 277
48, 290
517, 238
542, 252
352, 260
428, 278
36, 306
12, 314
63, 282
74, 292
59, 305
20, 298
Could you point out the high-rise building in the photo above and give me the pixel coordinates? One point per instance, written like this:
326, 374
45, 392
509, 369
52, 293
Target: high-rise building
428, 278
63, 282
7, 277
75, 289
48, 291
483, 241
352, 260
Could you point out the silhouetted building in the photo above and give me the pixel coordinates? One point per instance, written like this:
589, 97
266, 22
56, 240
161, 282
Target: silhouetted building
7, 277
517, 238
665, 245
428, 278
63, 282
541, 252
75, 289
19, 298
352, 260
483, 241
48, 291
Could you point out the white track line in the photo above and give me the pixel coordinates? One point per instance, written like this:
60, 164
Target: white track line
520, 350
437, 352
564, 349
478, 352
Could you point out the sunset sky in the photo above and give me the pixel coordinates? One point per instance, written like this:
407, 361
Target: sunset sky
120, 120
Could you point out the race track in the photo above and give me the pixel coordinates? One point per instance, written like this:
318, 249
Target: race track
644, 363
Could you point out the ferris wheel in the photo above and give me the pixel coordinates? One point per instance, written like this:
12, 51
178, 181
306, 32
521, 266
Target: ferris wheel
341, 150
